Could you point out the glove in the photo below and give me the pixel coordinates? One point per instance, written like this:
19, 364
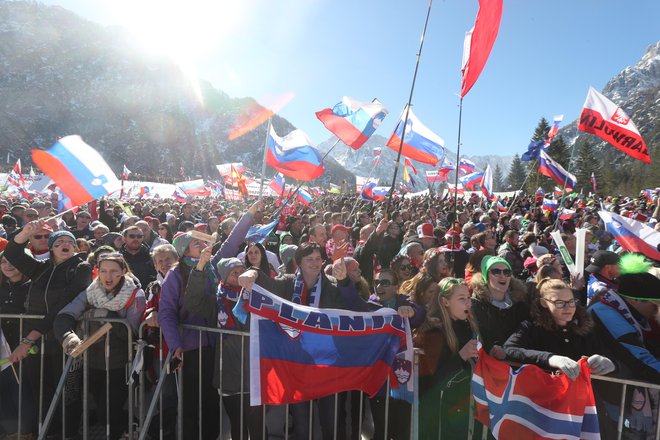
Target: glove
70, 342
600, 364
567, 365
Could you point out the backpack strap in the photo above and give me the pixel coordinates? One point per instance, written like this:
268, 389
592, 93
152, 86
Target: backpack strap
131, 299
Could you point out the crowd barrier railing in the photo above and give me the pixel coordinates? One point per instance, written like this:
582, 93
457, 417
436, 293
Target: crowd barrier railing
146, 406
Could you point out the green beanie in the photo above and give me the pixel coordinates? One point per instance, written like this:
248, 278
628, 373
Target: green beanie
489, 261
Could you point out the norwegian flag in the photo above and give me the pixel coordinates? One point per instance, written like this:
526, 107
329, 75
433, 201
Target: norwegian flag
530, 403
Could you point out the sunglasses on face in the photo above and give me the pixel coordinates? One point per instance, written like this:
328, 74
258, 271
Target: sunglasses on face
40, 236
384, 283
562, 304
406, 267
135, 236
505, 272
31, 215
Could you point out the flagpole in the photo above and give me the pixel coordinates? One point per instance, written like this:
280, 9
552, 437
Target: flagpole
373, 167
563, 190
405, 121
522, 186
263, 165
457, 168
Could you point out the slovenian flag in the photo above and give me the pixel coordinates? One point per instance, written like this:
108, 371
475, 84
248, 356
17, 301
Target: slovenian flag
304, 197
468, 181
487, 184
77, 169
554, 129
435, 176
353, 122
194, 188
548, 167
294, 155
374, 193
632, 235
378, 151
419, 143
300, 353
125, 173
608, 121
550, 205
466, 166
277, 184
566, 214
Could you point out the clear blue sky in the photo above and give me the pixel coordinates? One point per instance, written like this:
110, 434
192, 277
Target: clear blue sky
546, 56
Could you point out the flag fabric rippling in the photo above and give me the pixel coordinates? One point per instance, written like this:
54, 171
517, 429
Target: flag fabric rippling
294, 155
419, 142
352, 121
632, 235
548, 167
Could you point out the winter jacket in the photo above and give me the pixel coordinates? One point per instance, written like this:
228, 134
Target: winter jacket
365, 255
444, 383
389, 247
12, 301
513, 257
80, 308
539, 339
171, 314
141, 264
202, 302
495, 324
53, 285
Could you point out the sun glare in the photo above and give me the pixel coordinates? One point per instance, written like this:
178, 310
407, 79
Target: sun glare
184, 31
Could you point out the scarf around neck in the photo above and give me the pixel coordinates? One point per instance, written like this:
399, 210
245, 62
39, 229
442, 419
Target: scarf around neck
313, 292
98, 298
612, 299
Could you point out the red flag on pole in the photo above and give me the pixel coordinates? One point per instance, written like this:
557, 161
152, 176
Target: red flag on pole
479, 42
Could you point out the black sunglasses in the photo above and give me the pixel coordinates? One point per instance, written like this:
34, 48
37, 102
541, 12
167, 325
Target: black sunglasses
406, 267
384, 283
505, 272
40, 236
134, 236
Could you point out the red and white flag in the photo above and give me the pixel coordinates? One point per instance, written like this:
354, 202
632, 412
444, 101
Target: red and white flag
608, 121
479, 42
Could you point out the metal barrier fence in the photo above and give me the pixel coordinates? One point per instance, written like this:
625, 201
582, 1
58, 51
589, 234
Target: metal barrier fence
149, 404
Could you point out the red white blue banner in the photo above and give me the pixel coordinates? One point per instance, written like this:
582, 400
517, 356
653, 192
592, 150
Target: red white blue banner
300, 353
531, 404
352, 121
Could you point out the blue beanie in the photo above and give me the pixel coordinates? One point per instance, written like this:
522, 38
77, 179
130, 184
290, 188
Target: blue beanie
57, 234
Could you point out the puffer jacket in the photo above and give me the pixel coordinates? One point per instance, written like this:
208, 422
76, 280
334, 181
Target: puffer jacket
53, 286
495, 324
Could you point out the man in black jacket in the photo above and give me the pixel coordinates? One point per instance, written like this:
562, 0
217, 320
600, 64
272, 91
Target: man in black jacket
137, 255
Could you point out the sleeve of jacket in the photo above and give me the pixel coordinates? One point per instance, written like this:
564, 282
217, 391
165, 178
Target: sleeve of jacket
520, 347
197, 300
229, 247
628, 349
420, 312
82, 279
15, 254
106, 219
65, 320
372, 245
168, 309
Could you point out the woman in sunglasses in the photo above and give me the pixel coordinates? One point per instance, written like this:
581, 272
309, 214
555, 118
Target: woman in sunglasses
449, 343
402, 267
500, 303
115, 293
559, 333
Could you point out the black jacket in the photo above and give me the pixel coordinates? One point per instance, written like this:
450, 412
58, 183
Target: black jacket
53, 286
364, 255
534, 342
140, 264
12, 301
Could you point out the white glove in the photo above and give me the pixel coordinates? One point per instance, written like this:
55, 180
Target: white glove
567, 365
70, 342
600, 364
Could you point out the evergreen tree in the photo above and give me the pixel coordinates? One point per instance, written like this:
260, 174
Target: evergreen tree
517, 174
540, 134
498, 179
559, 151
585, 164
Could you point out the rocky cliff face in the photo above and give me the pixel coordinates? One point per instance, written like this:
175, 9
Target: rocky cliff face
64, 75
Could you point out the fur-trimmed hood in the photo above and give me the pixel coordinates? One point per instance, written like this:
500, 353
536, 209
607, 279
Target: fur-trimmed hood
517, 289
581, 325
